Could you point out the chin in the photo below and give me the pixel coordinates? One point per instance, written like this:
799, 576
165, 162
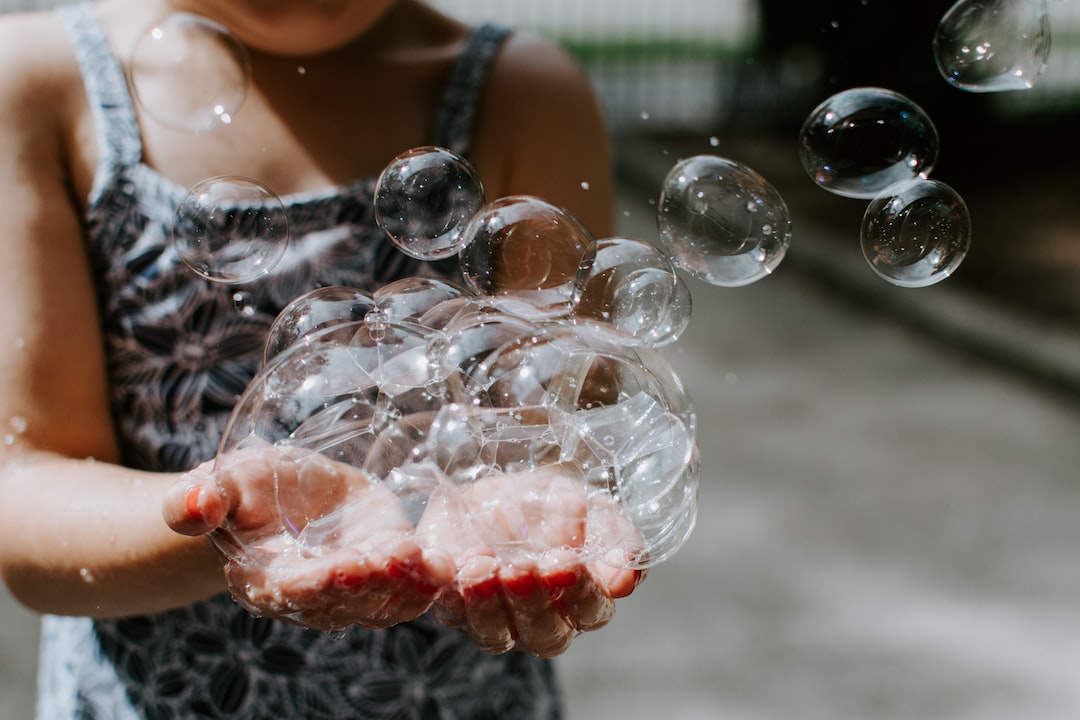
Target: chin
294, 27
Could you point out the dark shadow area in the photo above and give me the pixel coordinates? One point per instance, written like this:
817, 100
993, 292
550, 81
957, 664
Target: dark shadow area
1017, 171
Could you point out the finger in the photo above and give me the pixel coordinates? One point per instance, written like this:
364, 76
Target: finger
194, 505
618, 581
413, 582
540, 625
582, 599
487, 621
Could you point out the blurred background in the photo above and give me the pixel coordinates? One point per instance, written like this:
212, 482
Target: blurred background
889, 515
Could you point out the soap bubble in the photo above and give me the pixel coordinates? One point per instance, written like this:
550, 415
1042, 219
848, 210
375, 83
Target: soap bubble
526, 247
312, 311
860, 141
409, 299
230, 229
632, 285
423, 200
189, 73
721, 221
573, 420
916, 233
993, 45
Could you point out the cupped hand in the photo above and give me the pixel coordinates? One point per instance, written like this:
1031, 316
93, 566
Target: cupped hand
308, 540
536, 563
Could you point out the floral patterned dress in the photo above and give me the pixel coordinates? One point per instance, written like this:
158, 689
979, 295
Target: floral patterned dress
180, 352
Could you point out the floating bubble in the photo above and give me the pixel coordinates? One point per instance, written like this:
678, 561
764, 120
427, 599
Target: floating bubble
916, 233
423, 200
721, 221
189, 73
315, 310
230, 229
860, 141
993, 45
525, 247
632, 285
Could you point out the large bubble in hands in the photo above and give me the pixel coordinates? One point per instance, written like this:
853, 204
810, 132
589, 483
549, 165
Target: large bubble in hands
457, 420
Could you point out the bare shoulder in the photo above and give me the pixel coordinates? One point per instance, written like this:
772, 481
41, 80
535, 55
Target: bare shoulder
530, 67
541, 131
34, 49
40, 79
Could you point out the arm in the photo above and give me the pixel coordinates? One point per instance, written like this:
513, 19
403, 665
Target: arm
81, 535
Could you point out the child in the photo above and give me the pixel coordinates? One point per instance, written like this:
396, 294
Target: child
120, 365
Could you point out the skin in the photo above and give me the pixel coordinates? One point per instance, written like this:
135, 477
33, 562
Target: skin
86, 536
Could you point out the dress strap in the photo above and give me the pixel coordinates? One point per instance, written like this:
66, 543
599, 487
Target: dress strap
106, 87
453, 124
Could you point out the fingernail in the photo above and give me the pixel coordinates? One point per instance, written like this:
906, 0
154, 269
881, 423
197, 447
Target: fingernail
561, 579
347, 579
522, 586
192, 505
398, 568
485, 588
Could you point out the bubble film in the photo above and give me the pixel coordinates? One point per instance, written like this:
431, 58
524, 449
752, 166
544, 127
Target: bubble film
532, 434
993, 45
525, 247
722, 222
189, 73
860, 141
632, 285
424, 199
916, 233
230, 229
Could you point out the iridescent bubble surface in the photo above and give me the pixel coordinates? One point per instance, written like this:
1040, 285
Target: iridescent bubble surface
423, 200
632, 285
721, 221
993, 45
315, 310
916, 233
230, 229
526, 247
859, 141
189, 73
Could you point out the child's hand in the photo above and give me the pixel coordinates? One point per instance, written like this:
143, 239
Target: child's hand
521, 581
308, 540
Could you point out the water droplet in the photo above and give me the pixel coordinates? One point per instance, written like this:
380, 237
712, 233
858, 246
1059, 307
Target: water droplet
244, 303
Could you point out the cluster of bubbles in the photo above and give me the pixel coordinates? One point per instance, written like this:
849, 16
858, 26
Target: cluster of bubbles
430, 390
547, 358
545, 361
875, 144
543, 364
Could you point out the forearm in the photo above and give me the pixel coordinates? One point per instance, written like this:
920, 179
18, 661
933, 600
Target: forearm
88, 538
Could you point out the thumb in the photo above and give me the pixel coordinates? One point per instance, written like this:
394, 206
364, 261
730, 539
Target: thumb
194, 504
